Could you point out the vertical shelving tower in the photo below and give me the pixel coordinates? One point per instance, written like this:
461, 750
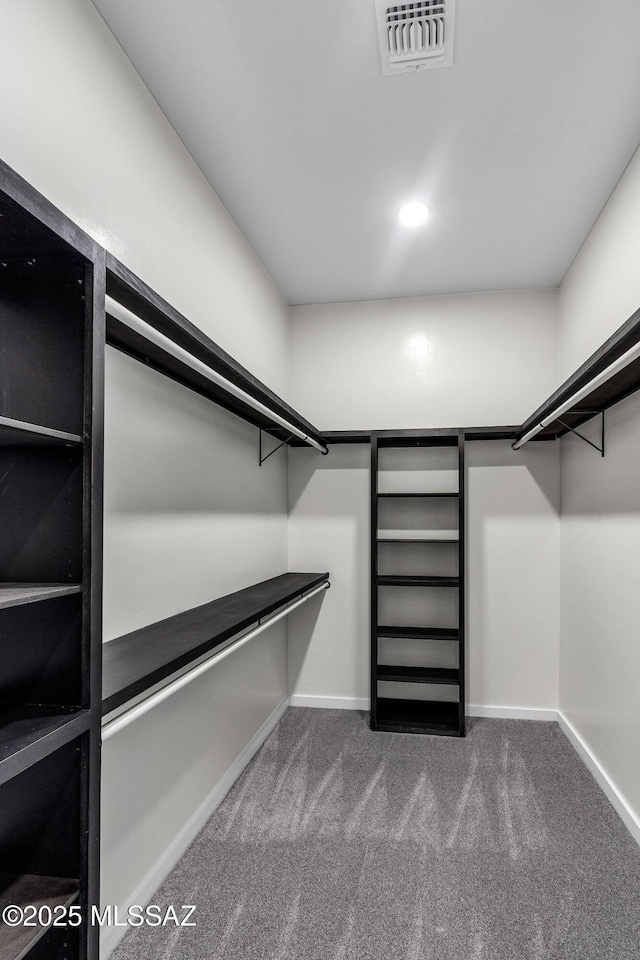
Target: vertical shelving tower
51, 285
417, 582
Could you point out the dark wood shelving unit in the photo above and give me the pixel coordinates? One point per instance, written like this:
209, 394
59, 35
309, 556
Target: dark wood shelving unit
135, 662
52, 330
406, 713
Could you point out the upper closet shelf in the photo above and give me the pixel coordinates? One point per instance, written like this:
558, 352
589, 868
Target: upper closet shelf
143, 325
609, 375
19, 433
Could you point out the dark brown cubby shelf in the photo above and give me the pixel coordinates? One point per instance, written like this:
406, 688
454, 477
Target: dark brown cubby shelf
19, 433
404, 674
408, 496
418, 633
417, 581
17, 594
415, 540
30, 732
24, 890
440, 718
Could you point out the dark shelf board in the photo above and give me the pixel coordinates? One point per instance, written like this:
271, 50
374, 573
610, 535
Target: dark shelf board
418, 633
30, 732
19, 433
415, 540
417, 674
621, 385
24, 890
16, 594
418, 716
138, 660
133, 293
364, 436
408, 496
417, 581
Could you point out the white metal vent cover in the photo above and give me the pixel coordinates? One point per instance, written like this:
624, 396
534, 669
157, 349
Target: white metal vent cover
415, 35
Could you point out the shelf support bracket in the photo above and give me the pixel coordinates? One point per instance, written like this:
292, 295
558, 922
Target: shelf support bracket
600, 448
262, 459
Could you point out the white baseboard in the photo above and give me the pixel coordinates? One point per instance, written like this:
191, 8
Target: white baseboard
111, 936
512, 713
617, 799
329, 703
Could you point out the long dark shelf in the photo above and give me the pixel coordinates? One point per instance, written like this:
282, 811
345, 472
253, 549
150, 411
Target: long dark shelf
622, 384
418, 633
125, 287
29, 733
408, 496
133, 663
20, 433
16, 594
418, 716
23, 890
418, 674
416, 581
364, 436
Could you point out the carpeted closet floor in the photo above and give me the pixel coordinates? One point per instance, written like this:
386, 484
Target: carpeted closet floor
342, 844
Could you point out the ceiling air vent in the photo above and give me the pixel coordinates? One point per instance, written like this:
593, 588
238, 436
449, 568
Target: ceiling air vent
415, 35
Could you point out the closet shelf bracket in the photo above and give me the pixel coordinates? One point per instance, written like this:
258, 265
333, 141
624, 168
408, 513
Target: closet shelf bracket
600, 448
262, 459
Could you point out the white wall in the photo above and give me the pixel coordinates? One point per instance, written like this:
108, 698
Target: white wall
189, 516
362, 365
475, 359
600, 502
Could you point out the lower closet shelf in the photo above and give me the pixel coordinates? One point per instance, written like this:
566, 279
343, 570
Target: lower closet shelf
417, 716
45, 894
418, 674
135, 662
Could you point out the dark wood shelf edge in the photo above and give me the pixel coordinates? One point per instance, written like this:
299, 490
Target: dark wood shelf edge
20, 594
622, 340
364, 436
135, 662
129, 290
19, 432
403, 674
37, 745
31, 889
417, 581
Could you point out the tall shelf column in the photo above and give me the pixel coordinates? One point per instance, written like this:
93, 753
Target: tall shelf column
417, 582
51, 352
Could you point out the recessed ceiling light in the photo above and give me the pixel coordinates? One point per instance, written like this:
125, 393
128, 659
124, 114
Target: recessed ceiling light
413, 214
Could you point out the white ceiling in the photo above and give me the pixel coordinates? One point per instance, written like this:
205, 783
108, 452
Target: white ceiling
515, 148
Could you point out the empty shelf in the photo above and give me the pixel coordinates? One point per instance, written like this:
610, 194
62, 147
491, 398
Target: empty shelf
29, 889
30, 732
17, 432
422, 536
417, 674
418, 633
418, 716
15, 594
416, 581
138, 660
406, 496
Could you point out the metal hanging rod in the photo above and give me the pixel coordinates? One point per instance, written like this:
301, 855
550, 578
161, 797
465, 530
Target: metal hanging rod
119, 723
623, 361
134, 322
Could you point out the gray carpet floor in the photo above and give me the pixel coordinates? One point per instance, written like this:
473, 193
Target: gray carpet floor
342, 844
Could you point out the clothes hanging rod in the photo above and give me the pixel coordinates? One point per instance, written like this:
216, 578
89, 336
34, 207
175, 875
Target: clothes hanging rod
129, 716
633, 353
136, 323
